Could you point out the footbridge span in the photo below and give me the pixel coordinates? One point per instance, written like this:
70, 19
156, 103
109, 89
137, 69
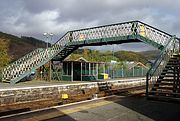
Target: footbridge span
133, 31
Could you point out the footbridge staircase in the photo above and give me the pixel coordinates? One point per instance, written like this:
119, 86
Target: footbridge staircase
163, 78
164, 73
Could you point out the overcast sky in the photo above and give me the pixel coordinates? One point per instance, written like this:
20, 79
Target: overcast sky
34, 17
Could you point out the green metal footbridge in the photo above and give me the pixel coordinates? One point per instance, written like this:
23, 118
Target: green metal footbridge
133, 31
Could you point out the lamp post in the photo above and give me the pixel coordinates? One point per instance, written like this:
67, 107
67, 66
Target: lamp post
50, 71
51, 36
47, 35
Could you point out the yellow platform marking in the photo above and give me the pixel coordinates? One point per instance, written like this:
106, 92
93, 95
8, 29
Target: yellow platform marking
62, 112
64, 96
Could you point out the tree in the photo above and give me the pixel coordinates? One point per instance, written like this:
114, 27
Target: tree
130, 56
85, 53
4, 57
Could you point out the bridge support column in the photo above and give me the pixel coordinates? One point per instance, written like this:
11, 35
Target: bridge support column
104, 68
81, 71
62, 69
179, 45
133, 71
71, 71
50, 70
89, 69
97, 71
122, 71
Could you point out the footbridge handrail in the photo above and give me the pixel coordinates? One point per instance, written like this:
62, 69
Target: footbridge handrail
121, 29
14, 68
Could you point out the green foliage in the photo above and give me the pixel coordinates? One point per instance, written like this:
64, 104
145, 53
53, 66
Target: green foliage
4, 57
34, 41
93, 56
119, 56
130, 56
150, 55
10, 37
19, 47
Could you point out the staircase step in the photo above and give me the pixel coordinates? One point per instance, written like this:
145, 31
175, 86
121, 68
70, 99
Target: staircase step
6, 81
164, 98
173, 60
162, 83
176, 55
164, 93
163, 88
170, 72
167, 66
166, 69
172, 63
168, 76
169, 80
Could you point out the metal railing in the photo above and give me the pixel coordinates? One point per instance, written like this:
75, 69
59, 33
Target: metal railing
157, 67
122, 29
17, 67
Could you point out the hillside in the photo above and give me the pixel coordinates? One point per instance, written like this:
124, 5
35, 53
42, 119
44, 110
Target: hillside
150, 55
97, 56
21, 46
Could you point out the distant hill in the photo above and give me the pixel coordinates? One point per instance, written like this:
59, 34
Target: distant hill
150, 55
21, 46
130, 56
98, 56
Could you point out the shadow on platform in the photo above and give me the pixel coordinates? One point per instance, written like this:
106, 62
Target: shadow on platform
155, 110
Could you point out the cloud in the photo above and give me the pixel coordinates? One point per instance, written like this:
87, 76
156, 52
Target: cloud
34, 17
137, 47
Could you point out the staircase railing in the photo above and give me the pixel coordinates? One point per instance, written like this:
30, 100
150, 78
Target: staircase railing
22, 67
15, 68
157, 67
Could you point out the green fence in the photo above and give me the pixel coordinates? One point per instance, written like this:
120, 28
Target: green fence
123, 72
92, 72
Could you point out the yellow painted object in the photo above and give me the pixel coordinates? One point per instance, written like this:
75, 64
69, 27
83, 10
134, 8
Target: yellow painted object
106, 76
64, 96
103, 76
142, 30
81, 37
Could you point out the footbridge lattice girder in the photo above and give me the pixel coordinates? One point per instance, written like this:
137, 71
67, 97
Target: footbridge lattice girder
109, 34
